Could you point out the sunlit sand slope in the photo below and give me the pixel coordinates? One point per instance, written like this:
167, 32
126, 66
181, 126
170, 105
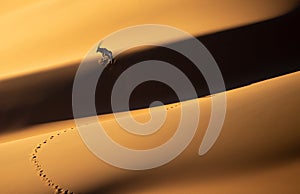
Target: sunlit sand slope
245, 55
257, 151
38, 35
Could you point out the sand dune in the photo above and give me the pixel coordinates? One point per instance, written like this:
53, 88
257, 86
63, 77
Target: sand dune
252, 55
42, 35
258, 143
42, 44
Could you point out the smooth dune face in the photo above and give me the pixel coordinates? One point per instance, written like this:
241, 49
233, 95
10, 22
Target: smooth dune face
40, 35
256, 152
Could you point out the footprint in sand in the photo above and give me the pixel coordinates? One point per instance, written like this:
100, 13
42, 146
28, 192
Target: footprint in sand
38, 166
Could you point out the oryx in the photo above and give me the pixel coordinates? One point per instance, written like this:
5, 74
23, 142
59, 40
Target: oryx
107, 56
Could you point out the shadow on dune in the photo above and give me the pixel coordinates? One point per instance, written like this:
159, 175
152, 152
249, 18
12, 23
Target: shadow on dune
245, 55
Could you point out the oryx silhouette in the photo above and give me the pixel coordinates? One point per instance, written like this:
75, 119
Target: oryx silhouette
107, 56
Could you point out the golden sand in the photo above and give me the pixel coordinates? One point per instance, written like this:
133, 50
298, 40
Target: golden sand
257, 148
257, 151
41, 35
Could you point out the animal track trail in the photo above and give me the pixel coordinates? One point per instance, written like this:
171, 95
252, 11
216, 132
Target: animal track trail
39, 168
173, 106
